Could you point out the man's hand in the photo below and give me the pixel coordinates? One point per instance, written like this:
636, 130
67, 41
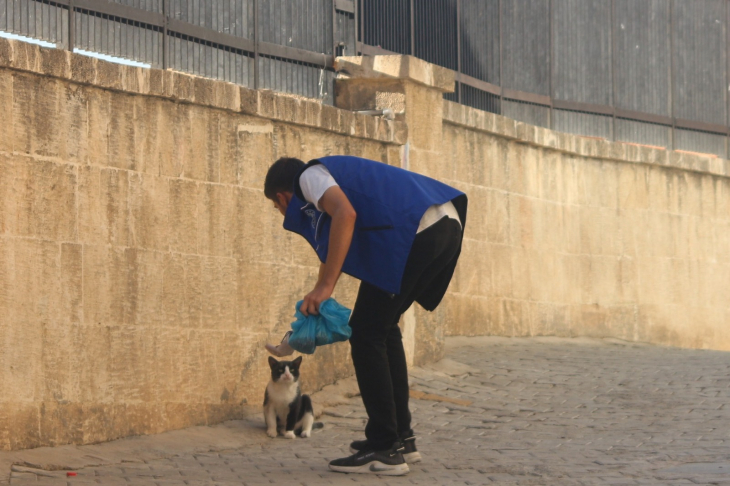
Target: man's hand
335, 203
312, 300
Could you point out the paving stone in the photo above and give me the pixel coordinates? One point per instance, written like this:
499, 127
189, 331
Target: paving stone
543, 412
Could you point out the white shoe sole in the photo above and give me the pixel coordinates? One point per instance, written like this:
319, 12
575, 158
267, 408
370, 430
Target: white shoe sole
411, 458
375, 467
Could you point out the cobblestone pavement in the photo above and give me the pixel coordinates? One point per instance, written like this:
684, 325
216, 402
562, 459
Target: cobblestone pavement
543, 411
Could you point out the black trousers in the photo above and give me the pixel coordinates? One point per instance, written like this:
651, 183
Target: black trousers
376, 341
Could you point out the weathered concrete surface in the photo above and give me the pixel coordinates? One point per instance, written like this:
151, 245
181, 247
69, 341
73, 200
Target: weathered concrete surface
570, 236
543, 411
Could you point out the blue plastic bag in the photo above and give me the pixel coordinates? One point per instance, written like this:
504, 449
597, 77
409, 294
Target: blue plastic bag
329, 326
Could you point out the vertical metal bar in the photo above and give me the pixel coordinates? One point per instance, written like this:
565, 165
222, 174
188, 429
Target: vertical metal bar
71, 26
458, 48
671, 73
413, 28
357, 26
550, 61
256, 44
612, 34
334, 30
501, 71
165, 40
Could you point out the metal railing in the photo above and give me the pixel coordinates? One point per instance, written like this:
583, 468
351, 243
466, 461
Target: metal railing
286, 45
652, 71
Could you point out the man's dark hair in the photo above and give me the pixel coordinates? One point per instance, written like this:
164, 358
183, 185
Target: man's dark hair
281, 175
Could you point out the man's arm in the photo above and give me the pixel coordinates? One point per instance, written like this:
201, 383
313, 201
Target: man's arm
335, 203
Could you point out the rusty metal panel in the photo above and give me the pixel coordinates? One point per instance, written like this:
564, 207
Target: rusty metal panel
39, 20
121, 38
643, 133
436, 32
386, 24
303, 24
148, 5
700, 56
526, 49
580, 123
479, 21
642, 43
234, 17
581, 51
526, 112
695, 141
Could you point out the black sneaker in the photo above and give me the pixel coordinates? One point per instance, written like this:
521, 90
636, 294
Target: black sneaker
387, 463
410, 453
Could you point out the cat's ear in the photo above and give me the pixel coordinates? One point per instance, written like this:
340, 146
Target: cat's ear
272, 362
297, 362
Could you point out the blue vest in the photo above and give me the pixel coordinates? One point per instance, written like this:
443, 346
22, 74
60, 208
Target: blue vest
389, 203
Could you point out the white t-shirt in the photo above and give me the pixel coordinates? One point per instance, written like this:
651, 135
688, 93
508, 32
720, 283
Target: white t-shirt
317, 179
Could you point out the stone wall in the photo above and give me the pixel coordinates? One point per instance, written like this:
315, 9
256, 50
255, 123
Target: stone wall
142, 269
572, 236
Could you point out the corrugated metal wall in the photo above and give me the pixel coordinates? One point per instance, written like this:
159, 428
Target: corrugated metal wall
583, 123
234, 17
527, 112
641, 31
700, 54
35, 19
581, 43
386, 24
526, 52
665, 58
480, 39
125, 39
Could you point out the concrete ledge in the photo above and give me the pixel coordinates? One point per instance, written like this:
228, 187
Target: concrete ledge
483, 121
399, 67
187, 88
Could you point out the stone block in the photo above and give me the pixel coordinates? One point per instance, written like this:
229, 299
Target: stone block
175, 139
219, 279
121, 136
227, 96
287, 142
183, 214
26, 56
204, 91
331, 119
267, 105
83, 69
40, 200
215, 210
254, 154
204, 162
249, 101
55, 62
257, 235
182, 87
149, 201
6, 52
109, 75
6, 107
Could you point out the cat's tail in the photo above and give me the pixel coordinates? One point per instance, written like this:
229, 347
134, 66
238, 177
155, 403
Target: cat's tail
317, 425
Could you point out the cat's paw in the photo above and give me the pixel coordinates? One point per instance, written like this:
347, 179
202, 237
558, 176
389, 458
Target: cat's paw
290, 434
306, 433
271, 433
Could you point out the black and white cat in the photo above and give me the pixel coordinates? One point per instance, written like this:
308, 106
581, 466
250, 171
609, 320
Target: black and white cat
286, 410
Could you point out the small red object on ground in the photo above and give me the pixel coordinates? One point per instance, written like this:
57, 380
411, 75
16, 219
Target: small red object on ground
70, 474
